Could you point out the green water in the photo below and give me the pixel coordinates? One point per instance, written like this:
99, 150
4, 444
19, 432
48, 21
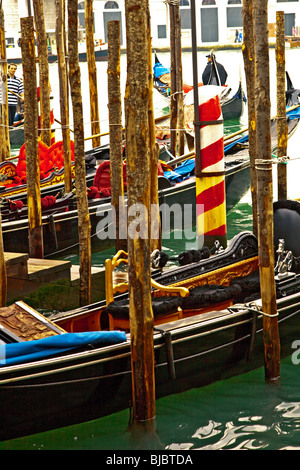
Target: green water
238, 220
239, 413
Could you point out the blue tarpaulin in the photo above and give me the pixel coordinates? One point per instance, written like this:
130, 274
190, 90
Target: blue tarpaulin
186, 169
239, 141
183, 171
19, 353
160, 70
294, 113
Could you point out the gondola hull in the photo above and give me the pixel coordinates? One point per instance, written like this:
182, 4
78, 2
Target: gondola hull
233, 108
60, 230
206, 347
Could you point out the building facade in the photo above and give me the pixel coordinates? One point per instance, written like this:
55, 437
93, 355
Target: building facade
217, 20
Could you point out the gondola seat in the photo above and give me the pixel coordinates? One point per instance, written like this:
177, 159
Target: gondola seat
249, 287
49, 159
54, 157
162, 306
203, 298
199, 300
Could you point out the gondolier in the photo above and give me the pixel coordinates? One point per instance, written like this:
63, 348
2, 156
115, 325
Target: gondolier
15, 90
214, 73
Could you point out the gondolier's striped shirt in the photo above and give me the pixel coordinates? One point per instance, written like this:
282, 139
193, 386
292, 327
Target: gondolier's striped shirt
15, 85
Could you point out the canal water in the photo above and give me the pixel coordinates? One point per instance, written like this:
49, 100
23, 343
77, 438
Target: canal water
239, 413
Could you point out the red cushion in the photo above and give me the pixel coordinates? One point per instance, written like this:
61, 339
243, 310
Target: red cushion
102, 176
49, 157
21, 165
55, 154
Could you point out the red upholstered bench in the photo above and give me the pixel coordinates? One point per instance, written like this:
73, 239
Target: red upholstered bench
49, 157
55, 155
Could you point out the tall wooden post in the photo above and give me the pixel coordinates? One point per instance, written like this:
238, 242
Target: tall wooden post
90, 52
265, 193
42, 46
173, 95
176, 104
138, 190
31, 140
195, 86
179, 84
5, 143
249, 65
154, 223
282, 132
84, 227
3, 277
115, 129
64, 91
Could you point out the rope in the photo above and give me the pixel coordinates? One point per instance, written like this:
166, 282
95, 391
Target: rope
176, 93
251, 307
273, 160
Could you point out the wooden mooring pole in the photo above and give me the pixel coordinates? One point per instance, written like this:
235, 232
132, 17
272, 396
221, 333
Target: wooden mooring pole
138, 192
91, 62
265, 193
176, 95
155, 223
36, 249
115, 131
282, 131
84, 226
179, 83
64, 91
249, 66
38, 6
3, 277
5, 143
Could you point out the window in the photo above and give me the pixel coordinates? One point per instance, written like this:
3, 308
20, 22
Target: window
185, 14
111, 5
234, 2
10, 42
234, 17
110, 14
209, 25
208, 2
161, 31
81, 15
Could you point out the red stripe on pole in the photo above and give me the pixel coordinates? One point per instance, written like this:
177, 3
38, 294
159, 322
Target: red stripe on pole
211, 197
220, 231
212, 154
210, 110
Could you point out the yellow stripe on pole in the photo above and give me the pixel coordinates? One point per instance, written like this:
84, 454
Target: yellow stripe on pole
211, 210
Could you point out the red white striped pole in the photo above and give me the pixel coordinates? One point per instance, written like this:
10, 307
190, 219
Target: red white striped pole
210, 178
